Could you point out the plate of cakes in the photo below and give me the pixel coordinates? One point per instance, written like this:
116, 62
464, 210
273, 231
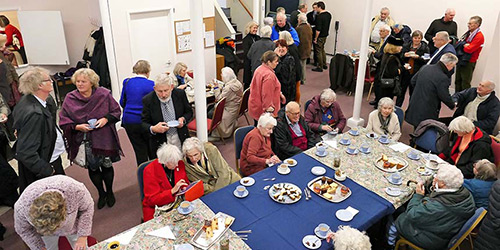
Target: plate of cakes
391, 164
285, 193
329, 189
212, 230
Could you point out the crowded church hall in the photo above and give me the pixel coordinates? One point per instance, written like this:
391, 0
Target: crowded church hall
249, 124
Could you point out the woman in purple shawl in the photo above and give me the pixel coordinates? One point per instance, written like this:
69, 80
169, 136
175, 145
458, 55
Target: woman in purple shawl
102, 147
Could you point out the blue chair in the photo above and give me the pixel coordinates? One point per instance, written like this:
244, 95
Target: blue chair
427, 140
401, 115
239, 136
140, 175
306, 105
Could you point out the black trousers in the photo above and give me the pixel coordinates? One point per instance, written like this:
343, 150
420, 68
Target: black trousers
139, 140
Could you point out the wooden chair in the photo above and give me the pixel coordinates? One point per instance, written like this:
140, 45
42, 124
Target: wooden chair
242, 111
239, 136
213, 123
369, 78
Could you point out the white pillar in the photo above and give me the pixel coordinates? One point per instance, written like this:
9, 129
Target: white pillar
262, 11
198, 54
256, 11
110, 49
356, 120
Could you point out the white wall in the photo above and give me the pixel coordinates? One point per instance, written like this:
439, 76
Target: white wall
417, 15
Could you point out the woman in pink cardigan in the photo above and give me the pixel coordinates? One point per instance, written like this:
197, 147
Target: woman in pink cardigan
52, 207
265, 89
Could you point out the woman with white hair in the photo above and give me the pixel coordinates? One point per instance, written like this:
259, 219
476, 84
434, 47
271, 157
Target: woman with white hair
163, 178
470, 144
324, 114
485, 174
181, 78
250, 38
384, 120
347, 238
437, 210
256, 152
204, 162
294, 52
268, 21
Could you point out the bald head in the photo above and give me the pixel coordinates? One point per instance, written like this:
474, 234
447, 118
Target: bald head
292, 110
449, 14
485, 87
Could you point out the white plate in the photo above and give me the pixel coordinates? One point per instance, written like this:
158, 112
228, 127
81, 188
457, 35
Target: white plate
375, 136
173, 123
344, 215
393, 191
245, 194
311, 239
386, 141
415, 158
184, 247
316, 232
247, 181
319, 171
283, 172
292, 162
285, 190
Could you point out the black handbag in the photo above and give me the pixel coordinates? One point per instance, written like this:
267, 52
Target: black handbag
388, 83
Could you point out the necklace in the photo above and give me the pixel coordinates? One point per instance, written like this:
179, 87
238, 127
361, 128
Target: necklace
169, 173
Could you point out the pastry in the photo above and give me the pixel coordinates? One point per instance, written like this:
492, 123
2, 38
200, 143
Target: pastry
328, 196
344, 190
209, 233
384, 158
399, 165
323, 180
228, 221
392, 163
289, 162
332, 190
276, 195
316, 188
329, 181
386, 164
215, 224
245, 181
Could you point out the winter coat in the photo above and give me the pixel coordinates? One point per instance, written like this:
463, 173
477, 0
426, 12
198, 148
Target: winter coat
305, 35
288, 27
248, 41
233, 92
480, 190
443, 137
286, 74
257, 50
313, 115
487, 113
489, 233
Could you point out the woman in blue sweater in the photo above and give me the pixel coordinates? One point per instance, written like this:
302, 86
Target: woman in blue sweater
134, 89
480, 186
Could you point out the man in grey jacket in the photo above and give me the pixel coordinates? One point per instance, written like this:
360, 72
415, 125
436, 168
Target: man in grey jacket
258, 48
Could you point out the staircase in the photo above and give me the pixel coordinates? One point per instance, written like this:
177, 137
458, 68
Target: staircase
238, 37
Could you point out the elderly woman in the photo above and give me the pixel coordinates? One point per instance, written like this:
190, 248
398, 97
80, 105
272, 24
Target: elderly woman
256, 152
347, 238
436, 212
163, 178
204, 162
250, 38
384, 121
265, 90
324, 114
52, 207
390, 68
101, 146
182, 79
233, 92
485, 174
294, 52
134, 89
286, 70
470, 144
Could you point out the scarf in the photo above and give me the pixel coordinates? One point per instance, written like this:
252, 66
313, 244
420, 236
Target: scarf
384, 123
468, 36
78, 109
181, 79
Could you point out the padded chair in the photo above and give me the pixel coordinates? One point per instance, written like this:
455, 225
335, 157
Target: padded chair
239, 136
495, 147
242, 111
401, 115
306, 105
427, 140
140, 175
213, 123
369, 78
459, 237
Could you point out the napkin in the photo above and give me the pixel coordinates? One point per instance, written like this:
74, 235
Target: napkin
124, 238
400, 147
352, 210
331, 143
163, 232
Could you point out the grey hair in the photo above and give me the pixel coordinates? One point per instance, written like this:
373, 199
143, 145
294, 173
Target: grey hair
385, 8
461, 124
192, 143
266, 119
168, 153
347, 238
280, 15
280, 9
443, 35
485, 169
302, 18
384, 102
249, 27
328, 94
385, 27
30, 81
141, 67
301, 6
164, 79
491, 84
227, 74
268, 21
266, 31
178, 67
450, 175
287, 37
449, 10
448, 58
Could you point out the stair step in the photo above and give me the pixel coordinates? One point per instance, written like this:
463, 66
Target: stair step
238, 36
227, 11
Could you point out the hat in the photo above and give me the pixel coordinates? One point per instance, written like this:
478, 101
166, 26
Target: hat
395, 41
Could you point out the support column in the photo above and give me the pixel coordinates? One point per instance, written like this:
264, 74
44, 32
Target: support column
256, 11
356, 120
110, 48
198, 54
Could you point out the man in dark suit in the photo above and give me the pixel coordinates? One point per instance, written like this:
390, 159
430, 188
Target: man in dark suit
311, 19
442, 43
294, 17
163, 108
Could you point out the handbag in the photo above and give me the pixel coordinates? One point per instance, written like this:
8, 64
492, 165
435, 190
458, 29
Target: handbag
85, 158
168, 207
388, 83
80, 156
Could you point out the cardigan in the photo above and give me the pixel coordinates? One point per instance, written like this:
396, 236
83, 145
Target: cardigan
313, 115
265, 91
393, 127
132, 92
254, 152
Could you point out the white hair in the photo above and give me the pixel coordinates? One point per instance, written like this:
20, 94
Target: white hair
266, 119
164, 79
168, 153
280, 15
461, 124
287, 37
385, 27
384, 102
448, 58
266, 31
385, 8
227, 74
269, 21
192, 143
449, 10
443, 35
485, 169
302, 18
328, 95
450, 175
491, 84
348, 238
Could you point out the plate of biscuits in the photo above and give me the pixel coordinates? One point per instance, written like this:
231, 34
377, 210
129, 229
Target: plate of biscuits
212, 230
285, 193
391, 164
329, 189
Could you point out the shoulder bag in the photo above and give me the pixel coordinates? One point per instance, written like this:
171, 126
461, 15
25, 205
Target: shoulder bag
388, 83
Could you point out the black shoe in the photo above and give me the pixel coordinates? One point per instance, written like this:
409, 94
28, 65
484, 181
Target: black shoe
317, 70
101, 202
325, 67
111, 199
2, 231
373, 102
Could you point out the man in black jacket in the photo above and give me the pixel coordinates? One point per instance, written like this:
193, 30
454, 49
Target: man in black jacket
323, 20
488, 237
292, 135
163, 109
445, 23
479, 104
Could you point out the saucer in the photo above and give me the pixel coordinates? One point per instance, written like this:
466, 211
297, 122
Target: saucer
173, 123
319, 171
190, 209
184, 247
393, 191
365, 152
311, 239
284, 172
344, 215
316, 232
321, 155
247, 181
375, 136
415, 158
292, 162
386, 141
245, 194
353, 153
354, 132
340, 178
395, 183
333, 132
346, 143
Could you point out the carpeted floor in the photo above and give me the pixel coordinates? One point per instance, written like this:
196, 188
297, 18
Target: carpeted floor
127, 211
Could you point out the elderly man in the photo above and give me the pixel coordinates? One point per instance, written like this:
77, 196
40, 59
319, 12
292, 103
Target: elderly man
294, 17
162, 109
258, 48
442, 43
384, 33
436, 212
401, 31
39, 140
474, 42
377, 22
305, 35
323, 20
292, 135
431, 85
445, 23
480, 105
282, 25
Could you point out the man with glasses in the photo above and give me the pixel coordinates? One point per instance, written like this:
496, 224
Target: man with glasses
292, 135
39, 141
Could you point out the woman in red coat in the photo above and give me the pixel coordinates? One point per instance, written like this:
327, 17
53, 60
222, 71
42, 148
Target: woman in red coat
163, 178
11, 31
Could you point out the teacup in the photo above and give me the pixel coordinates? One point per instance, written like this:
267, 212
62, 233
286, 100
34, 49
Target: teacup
240, 190
114, 245
323, 229
395, 178
384, 138
320, 148
344, 139
432, 164
364, 147
351, 149
413, 153
92, 122
283, 168
354, 130
185, 206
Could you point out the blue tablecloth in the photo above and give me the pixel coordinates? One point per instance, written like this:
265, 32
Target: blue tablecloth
279, 226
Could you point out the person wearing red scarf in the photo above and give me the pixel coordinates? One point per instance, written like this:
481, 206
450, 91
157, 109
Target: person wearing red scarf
474, 42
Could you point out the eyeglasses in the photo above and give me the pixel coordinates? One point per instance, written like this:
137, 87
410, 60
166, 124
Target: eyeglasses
48, 80
294, 114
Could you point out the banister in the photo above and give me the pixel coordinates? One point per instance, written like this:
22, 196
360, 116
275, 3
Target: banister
246, 9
